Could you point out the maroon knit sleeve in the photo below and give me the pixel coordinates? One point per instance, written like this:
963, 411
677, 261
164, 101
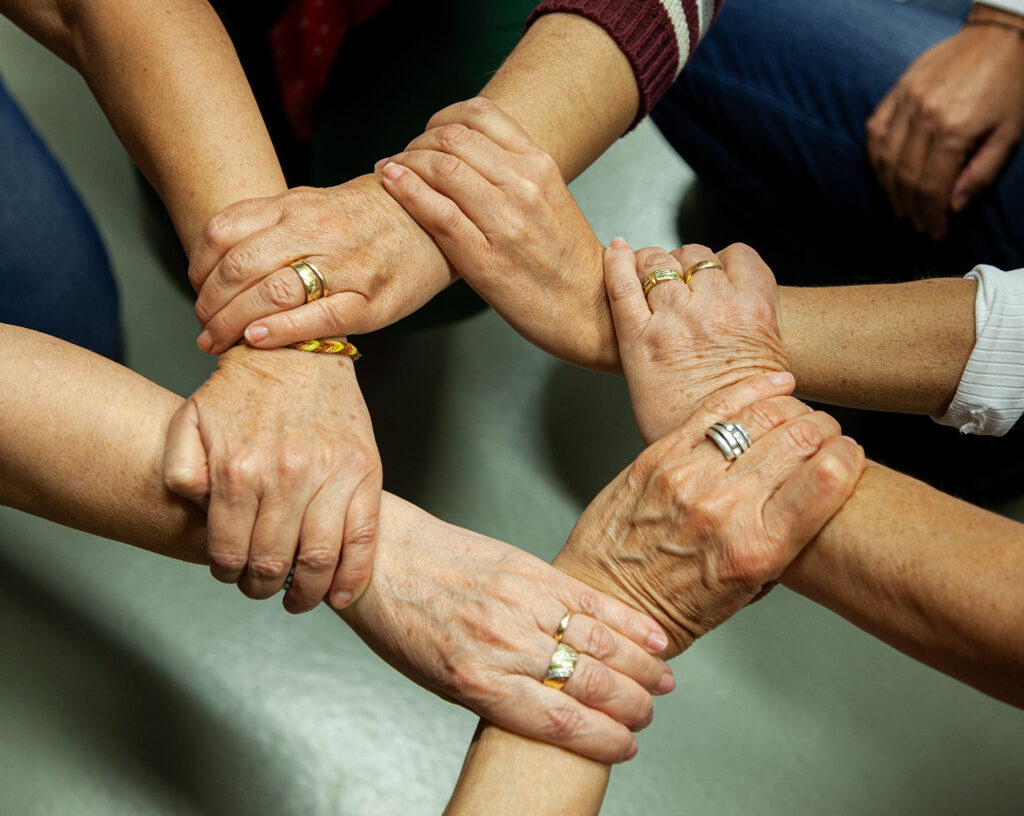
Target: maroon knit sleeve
657, 36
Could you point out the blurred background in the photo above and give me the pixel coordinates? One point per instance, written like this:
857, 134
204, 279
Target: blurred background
134, 685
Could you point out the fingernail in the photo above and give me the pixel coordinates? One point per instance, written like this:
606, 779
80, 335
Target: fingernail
341, 599
393, 171
781, 378
657, 642
667, 683
381, 162
632, 752
618, 243
254, 334
205, 341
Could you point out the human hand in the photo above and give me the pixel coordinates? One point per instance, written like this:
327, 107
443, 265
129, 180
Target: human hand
281, 445
691, 538
684, 341
944, 131
378, 266
473, 620
497, 206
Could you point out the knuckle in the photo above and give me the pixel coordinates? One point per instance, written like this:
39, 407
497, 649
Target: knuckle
530, 193
238, 473
600, 643
276, 291
449, 218
453, 135
755, 566
720, 405
445, 166
832, 471
318, 559
480, 105
217, 232
234, 267
590, 604
563, 722
804, 436
227, 560
271, 567
362, 536
292, 463
598, 684
768, 414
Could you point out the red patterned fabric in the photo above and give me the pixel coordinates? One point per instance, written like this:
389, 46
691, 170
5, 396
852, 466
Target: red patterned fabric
305, 41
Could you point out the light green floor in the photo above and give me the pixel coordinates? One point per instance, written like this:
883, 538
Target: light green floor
133, 685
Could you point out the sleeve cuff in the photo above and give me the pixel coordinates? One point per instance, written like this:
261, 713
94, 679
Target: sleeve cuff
657, 36
990, 397
1014, 6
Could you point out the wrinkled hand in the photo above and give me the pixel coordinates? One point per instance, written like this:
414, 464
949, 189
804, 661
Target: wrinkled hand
691, 538
685, 341
378, 265
281, 444
473, 620
944, 131
497, 206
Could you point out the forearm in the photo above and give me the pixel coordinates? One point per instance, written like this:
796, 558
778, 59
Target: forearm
570, 86
505, 774
931, 575
166, 75
894, 347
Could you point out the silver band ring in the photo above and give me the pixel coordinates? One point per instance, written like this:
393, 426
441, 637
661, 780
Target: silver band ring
312, 281
660, 276
731, 438
563, 664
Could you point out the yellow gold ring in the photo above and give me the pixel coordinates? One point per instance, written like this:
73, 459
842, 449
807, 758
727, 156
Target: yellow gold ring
660, 276
697, 267
563, 624
563, 664
312, 281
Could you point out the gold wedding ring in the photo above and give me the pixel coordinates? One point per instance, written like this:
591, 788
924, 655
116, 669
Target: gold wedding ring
563, 624
312, 281
563, 664
660, 276
697, 267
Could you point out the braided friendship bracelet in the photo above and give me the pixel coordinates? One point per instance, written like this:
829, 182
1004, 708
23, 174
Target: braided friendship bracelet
972, 20
327, 347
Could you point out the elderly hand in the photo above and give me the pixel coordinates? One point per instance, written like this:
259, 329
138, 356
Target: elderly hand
497, 206
474, 619
684, 341
377, 264
691, 538
281, 444
944, 131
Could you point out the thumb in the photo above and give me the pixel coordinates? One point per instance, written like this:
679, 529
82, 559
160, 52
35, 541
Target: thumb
185, 469
983, 167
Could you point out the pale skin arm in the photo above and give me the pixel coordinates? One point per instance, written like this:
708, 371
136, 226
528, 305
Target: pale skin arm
166, 76
891, 347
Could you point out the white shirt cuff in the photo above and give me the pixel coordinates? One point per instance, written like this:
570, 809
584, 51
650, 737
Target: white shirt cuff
1016, 6
990, 397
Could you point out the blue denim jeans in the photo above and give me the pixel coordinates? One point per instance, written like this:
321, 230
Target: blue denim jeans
54, 273
771, 114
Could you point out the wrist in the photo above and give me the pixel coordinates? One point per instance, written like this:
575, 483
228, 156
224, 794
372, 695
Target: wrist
431, 264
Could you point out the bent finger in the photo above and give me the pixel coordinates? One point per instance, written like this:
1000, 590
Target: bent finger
485, 116
548, 715
186, 471
815, 492
630, 310
338, 315
359, 543
619, 653
603, 689
232, 225
476, 149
